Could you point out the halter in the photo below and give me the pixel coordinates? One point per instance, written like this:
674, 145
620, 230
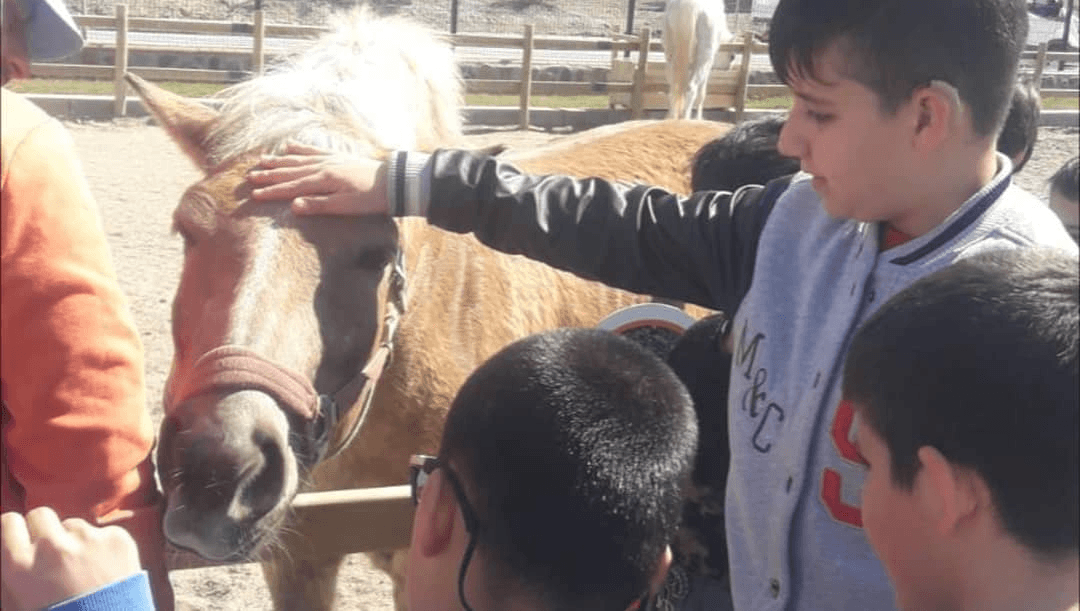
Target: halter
233, 368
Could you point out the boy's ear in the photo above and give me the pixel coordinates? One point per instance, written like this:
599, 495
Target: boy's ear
657, 580
948, 494
937, 110
662, 568
433, 524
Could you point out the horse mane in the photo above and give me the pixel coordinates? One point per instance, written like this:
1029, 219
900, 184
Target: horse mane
372, 85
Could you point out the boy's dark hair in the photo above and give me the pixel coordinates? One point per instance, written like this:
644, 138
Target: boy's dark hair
575, 447
979, 361
1066, 180
1021, 128
746, 155
893, 47
703, 364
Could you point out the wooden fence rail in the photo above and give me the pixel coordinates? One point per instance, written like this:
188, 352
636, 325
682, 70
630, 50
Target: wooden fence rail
358, 520
524, 87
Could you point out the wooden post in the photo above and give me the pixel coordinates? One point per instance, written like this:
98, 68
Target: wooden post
631, 8
637, 95
526, 76
121, 63
1040, 62
744, 75
258, 41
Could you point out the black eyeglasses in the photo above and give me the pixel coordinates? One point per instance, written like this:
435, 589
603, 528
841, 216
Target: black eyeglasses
420, 467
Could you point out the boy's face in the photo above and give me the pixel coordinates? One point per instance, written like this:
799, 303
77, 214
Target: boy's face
898, 529
853, 150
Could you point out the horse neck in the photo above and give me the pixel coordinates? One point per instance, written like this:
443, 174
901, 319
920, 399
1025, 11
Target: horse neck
453, 275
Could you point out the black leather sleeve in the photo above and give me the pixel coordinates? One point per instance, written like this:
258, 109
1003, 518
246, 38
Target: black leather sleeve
699, 249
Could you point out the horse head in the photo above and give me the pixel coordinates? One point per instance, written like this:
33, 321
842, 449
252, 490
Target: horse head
276, 315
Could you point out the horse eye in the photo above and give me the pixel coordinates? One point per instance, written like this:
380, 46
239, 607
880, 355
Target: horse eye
373, 258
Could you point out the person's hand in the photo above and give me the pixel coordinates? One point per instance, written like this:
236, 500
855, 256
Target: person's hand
320, 183
45, 561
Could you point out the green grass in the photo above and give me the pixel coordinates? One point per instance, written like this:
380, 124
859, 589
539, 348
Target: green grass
198, 90
69, 86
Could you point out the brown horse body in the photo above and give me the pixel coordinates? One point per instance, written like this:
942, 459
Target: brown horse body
309, 294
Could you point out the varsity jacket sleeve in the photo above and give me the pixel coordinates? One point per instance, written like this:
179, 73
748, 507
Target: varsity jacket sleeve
699, 249
76, 435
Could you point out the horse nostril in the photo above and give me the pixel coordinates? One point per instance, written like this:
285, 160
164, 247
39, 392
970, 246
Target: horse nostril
262, 482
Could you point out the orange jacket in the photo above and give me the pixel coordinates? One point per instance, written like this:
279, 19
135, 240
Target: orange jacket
76, 432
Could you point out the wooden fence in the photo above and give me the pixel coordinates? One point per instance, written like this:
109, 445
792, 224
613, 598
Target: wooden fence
728, 87
1042, 57
638, 83
636, 86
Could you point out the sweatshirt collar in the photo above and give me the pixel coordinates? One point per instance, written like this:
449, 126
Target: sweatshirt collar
958, 221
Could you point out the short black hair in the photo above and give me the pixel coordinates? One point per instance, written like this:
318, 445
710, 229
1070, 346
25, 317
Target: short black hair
576, 446
1066, 180
893, 47
703, 364
746, 155
979, 361
1021, 128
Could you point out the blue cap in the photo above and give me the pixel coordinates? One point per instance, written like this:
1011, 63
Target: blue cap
51, 31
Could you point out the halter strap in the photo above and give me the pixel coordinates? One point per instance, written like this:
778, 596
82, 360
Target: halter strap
234, 368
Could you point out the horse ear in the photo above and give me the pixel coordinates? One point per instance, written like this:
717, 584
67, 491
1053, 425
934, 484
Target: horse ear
185, 119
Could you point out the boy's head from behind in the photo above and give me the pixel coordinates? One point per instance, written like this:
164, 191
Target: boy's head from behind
573, 448
966, 385
896, 101
1021, 128
746, 155
1065, 195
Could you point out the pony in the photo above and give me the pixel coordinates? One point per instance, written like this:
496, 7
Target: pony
320, 353
692, 33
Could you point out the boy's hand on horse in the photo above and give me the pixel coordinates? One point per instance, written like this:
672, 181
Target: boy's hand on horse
318, 182
45, 561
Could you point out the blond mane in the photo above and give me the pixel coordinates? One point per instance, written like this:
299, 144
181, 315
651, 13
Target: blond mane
374, 84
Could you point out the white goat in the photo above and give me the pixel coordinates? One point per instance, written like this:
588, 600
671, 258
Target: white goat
693, 31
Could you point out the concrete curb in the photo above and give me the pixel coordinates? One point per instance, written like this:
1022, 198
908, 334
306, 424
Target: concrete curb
100, 108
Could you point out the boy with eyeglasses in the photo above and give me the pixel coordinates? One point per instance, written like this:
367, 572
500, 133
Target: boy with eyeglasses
558, 485
559, 480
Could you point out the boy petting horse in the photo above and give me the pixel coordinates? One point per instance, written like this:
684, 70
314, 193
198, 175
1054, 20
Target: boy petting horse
897, 107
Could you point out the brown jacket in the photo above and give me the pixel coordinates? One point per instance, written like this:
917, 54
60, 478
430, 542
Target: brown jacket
76, 433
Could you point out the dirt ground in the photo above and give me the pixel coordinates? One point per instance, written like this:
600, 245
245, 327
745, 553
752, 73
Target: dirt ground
138, 175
